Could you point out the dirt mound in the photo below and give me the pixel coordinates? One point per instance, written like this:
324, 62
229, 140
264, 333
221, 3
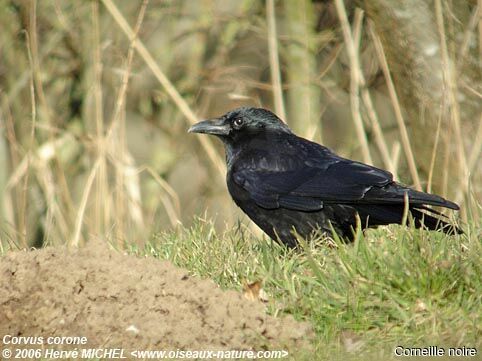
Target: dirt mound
117, 300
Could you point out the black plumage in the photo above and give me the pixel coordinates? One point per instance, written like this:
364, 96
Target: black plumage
285, 183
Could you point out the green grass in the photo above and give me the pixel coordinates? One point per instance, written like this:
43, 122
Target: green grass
393, 286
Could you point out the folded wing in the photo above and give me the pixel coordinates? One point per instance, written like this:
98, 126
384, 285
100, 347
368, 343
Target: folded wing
312, 184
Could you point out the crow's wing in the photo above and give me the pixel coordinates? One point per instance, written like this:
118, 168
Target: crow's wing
313, 182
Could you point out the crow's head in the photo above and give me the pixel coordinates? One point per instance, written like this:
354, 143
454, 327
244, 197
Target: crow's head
242, 124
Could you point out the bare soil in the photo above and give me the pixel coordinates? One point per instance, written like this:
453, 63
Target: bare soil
118, 300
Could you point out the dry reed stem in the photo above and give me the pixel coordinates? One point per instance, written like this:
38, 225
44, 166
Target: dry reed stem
395, 154
367, 101
173, 212
380, 141
354, 80
22, 80
13, 147
332, 58
83, 204
102, 207
407, 148
471, 89
446, 161
19, 172
55, 218
435, 148
474, 158
479, 5
166, 84
301, 68
130, 182
120, 99
476, 15
357, 31
35, 62
118, 121
406, 208
23, 198
274, 61
313, 127
476, 148
449, 76
46, 153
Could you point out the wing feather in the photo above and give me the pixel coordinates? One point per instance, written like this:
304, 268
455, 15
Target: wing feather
305, 176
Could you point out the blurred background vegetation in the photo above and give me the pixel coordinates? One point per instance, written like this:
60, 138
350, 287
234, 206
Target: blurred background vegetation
96, 98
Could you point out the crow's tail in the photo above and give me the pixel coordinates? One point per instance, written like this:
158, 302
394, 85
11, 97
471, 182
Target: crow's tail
383, 214
423, 218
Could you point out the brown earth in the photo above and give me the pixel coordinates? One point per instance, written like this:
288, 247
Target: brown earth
122, 301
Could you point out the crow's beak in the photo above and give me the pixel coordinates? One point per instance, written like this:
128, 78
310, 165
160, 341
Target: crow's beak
212, 126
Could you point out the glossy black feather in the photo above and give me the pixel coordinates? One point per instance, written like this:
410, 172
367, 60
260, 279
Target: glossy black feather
285, 183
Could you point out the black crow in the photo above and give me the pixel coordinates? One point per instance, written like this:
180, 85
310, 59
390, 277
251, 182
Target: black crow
289, 185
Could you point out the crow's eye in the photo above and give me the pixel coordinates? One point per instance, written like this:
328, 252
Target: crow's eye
238, 123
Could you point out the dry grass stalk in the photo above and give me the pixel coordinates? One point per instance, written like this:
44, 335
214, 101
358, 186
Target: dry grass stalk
11, 211
172, 204
407, 148
476, 148
434, 151
446, 162
33, 54
303, 94
395, 154
102, 206
274, 60
479, 5
83, 203
367, 101
24, 193
474, 158
24, 79
122, 168
354, 80
449, 75
476, 15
